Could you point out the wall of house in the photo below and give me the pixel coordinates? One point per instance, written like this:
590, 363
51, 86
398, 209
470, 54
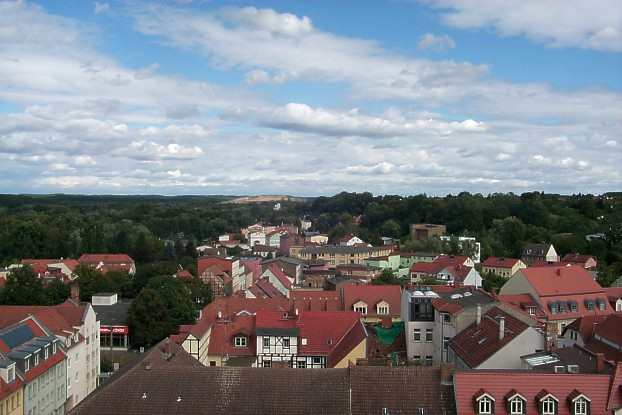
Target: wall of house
518, 284
77, 385
419, 348
13, 404
47, 393
358, 352
528, 342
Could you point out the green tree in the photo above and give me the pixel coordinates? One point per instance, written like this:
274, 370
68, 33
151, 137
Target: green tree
56, 292
23, 287
493, 282
200, 293
387, 277
160, 307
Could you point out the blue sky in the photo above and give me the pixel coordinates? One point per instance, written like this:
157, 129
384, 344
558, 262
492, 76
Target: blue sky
310, 98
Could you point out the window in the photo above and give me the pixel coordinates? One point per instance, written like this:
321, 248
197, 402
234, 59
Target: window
417, 335
517, 406
361, 309
212, 363
240, 341
446, 342
46, 352
317, 360
429, 335
580, 406
428, 360
301, 364
26, 365
11, 374
417, 359
446, 318
383, 310
36, 359
266, 342
484, 405
266, 363
548, 405
286, 343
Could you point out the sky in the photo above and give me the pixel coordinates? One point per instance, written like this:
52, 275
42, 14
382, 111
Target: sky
310, 98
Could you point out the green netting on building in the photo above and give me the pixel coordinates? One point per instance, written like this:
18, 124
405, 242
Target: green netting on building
388, 335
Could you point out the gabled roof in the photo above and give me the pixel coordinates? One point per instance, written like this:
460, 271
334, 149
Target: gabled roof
372, 295
280, 275
478, 342
105, 258
532, 386
523, 302
59, 318
500, 262
205, 262
264, 289
578, 258
561, 280
221, 341
536, 249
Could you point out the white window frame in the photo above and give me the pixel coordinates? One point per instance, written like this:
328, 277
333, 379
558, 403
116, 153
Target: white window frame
286, 343
362, 310
580, 406
484, 405
517, 406
36, 359
383, 310
431, 333
415, 332
240, 341
264, 342
548, 405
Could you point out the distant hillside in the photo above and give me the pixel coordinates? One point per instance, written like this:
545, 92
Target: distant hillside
245, 200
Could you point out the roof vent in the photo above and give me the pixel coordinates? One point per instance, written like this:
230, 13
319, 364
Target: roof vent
179, 398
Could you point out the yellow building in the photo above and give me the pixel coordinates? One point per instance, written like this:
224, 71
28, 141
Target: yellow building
503, 267
11, 390
341, 255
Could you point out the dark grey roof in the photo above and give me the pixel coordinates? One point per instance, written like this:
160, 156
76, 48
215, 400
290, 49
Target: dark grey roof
471, 299
18, 355
568, 356
536, 249
4, 363
113, 315
17, 335
337, 249
286, 259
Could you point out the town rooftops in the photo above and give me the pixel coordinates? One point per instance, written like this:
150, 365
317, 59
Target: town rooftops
578, 258
500, 262
170, 387
455, 300
311, 300
105, 258
573, 359
478, 342
224, 332
531, 387
342, 250
60, 319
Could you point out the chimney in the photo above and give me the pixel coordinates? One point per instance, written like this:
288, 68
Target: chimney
600, 362
479, 314
501, 328
219, 315
75, 292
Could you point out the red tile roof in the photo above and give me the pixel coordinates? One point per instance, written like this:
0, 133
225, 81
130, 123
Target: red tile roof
265, 289
204, 262
530, 385
439, 264
7, 389
578, 258
307, 300
184, 274
333, 334
224, 331
500, 262
280, 275
105, 258
477, 343
372, 295
613, 293
561, 280
444, 306
59, 318
522, 302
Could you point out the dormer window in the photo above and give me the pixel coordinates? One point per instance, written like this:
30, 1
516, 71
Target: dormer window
10, 374
26, 365
485, 404
548, 405
360, 307
36, 359
382, 308
516, 404
580, 404
46, 352
240, 341
54, 348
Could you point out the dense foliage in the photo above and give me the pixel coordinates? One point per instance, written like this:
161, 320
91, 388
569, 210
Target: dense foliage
23, 287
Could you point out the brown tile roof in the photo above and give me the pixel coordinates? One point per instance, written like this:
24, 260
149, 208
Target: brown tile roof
500, 262
171, 388
372, 295
478, 342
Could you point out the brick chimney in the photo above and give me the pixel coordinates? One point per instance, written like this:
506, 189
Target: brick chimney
501, 328
600, 362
